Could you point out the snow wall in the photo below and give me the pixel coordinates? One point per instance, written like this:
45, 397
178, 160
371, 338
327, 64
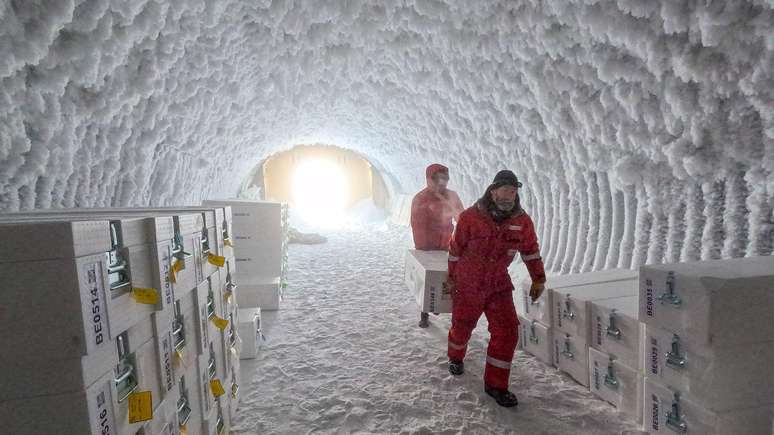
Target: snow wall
643, 130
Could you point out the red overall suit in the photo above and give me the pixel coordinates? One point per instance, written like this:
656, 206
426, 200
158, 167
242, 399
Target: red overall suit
432, 213
479, 255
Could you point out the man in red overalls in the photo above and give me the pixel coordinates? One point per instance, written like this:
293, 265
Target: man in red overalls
432, 211
487, 238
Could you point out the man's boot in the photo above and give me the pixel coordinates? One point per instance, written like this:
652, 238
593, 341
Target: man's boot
502, 397
424, 321
456, 367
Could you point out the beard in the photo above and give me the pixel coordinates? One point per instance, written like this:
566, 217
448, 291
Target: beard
505, 205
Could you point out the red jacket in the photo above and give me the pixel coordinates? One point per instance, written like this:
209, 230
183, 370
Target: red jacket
481, 250
432, 214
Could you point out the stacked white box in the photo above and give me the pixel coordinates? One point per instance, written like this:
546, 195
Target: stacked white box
264, 295
616, 383
260, 235
172, 326
536, 334
708, 345
425, 276
616, 329
572, 297
250, 332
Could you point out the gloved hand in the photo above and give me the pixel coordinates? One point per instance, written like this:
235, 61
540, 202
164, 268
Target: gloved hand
536, 290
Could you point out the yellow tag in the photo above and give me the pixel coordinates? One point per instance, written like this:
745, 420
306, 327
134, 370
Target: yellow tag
217, 388
217, 260
227, 242
180, 357
229, 295
145, 295
183, 429
177, 266
219, 322
140, 406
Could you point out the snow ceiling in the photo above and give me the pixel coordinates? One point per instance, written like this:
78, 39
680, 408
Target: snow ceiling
643, 130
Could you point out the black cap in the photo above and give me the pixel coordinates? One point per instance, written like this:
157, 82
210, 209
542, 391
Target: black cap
505, 178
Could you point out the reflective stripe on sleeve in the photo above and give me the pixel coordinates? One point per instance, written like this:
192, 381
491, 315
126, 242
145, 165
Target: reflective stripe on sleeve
535, 256
453, 258
457, 346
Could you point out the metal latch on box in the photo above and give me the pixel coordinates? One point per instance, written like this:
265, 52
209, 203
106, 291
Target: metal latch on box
232, 336
612, 330
125, 380
234, 385
568, 313
532, 335
567, 352
183, 409
178, 327
205, 240
670, 295
211, 367
673, 357
610, 379
221, 427
178, 247
674, 420
117, 267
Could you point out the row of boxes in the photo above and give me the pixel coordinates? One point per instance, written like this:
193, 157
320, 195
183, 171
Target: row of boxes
674, 346
261, 231
105, 304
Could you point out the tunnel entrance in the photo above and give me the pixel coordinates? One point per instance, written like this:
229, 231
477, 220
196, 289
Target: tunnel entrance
323, 184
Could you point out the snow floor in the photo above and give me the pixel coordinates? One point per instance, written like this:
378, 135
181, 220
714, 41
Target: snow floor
344, 355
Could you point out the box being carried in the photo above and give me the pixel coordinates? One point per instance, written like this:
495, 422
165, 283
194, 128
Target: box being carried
425, 275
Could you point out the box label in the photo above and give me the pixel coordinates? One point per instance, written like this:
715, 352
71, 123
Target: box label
166, 274
104, 422
148, 296
599, 331
95, 311
166, 361
654, 356
649, 297
655, 414
596, 375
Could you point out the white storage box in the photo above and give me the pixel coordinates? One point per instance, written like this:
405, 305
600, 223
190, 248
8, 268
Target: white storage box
259, 232
541, 309
102, 404
425, 275
190, 340
250, 332
616, 330
572, 313
30, 375
616, 383
722, 302
165, 421
264, 295
597, 277
536, 339
668, 411
163, 325
719, 378
571, 355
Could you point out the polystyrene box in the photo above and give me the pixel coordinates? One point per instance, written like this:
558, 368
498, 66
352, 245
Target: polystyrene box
722, 302
257, 233
616, 330
667, 411
541, 309
577, 279
52, 240
720, 378
27, 374
571, 355
165, 416
192, 331
86, 411
616, 383
425, 275
163, 326
264, 295
536, 339
572, 311
250, 332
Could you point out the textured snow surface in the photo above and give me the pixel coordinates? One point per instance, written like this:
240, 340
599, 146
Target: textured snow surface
344, 355
644, 130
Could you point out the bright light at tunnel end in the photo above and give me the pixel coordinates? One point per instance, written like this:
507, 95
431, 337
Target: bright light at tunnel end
320, 194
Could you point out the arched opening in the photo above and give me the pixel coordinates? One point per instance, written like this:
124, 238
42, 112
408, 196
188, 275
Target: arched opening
326, 186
